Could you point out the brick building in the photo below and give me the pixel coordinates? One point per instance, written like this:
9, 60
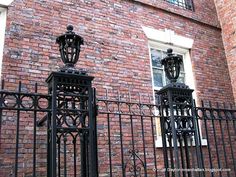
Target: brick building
226, 16
119, 37
124, 42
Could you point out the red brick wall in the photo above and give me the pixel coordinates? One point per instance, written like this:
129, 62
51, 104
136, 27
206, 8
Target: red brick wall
226, 14
116, 49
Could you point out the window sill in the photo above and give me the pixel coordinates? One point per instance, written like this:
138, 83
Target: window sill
158, 142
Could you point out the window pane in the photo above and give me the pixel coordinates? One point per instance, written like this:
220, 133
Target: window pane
157, 76
181, 78
156, 58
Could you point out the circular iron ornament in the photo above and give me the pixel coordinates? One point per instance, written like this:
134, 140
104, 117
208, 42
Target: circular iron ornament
43, 102
171, 65
69, 46
10, 101
27, 102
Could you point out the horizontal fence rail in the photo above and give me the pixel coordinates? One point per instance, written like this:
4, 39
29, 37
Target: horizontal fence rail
23, 145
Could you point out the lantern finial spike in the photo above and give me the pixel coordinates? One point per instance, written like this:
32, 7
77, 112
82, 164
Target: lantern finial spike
169, 51
70, 28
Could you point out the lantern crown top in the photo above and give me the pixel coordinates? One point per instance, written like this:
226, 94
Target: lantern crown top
172, 64
69, 47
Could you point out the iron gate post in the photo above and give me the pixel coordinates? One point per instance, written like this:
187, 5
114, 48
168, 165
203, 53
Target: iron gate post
73, 113
179, 128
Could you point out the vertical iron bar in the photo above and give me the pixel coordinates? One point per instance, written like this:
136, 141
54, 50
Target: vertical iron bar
95, 131
74, 146
92, 134
180, 139
59, 155
17, 129
230, 141
109, 135
222, 137
153, 143
171, 155
143, 133
199, 136
207, 137
121, 145
164, 138
215, 138
182, 155
83, 154
193, 155
132, 139
164, 118
83, 150
187, 153
234, 120
87, 155
54, 130
49, 144
34, 136
133, 146
173, 130
121, 137
65, 161
144, 148
109, 144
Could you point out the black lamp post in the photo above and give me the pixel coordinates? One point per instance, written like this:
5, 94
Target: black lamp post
172, 65
69, 46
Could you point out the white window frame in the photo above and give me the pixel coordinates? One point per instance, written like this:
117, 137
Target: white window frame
3, 16
186, 62
162, 40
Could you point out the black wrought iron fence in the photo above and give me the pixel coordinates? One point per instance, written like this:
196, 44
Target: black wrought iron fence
217, 126
126, 138
129, 140
23, 147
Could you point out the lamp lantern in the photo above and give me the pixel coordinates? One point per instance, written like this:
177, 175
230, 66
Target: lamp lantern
172, 64
69, 47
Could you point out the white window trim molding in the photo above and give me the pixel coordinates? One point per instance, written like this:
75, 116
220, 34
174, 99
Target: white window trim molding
186, 60
168, 37
3, 18
5, 2
180, 44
